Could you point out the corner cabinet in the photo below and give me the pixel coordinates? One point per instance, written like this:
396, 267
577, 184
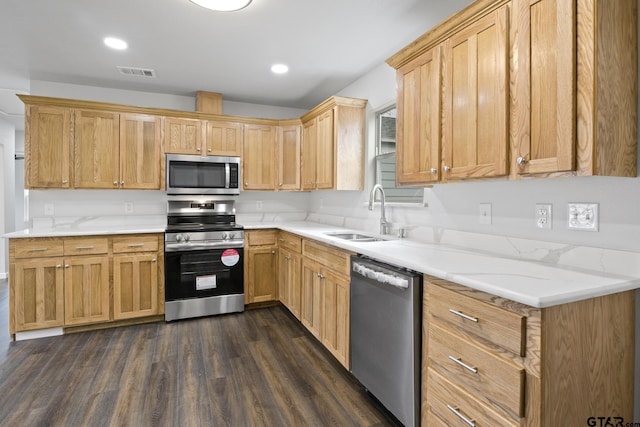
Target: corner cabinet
333, 145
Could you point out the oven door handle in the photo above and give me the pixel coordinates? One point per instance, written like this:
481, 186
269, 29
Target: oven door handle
180, 247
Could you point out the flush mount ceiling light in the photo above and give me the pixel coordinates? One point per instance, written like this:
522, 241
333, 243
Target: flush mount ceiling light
279, 68
222, 5
115, 43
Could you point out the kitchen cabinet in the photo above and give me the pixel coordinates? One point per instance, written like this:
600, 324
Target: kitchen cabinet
325, 296
504, 363
475, 137
224, 138
80, 281
418, 120
136, 278
289, 271
183, 135
140, 151
288, 156
96, 141
575, 86
333, 145
48, 145
259, 157
260, 266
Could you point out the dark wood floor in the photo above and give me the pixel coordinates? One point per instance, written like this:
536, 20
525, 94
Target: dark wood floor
257, 368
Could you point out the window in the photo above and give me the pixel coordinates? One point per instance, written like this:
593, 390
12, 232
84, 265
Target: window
386, 160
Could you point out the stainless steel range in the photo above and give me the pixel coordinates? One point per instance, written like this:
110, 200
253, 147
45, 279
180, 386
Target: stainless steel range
204, 258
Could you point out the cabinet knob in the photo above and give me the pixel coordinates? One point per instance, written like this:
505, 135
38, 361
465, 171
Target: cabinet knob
122, 183
115, 182
154, 260
318, 275
322, 276
198, 149
280, 185
59, 266
209, 150
433, 171
273, 252
446, 168
66, 266
65, 181
246, 183
521, 161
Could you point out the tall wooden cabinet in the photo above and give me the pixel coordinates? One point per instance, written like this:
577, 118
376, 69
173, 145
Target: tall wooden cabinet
288, 151
259, 157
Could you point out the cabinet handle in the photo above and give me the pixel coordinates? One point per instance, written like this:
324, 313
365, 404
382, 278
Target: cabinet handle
521, 161
459, 414
84, 247
65, 181
433, 171
198, 149
154, 260
282, 240
66, 266
59, 266
321, 276
38, 250
135, 245
209, 150
115, 182
122, 183
446, 168
464, 316
280, 185
464, 365
246, 183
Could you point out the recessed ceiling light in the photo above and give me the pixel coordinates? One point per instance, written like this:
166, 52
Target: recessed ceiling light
279, 68
222, 5
115, 43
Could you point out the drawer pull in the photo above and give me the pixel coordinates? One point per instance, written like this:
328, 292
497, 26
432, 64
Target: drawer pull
38, 250
464, 316
464, 365
282, 240
459, 414
135, 245
85, 247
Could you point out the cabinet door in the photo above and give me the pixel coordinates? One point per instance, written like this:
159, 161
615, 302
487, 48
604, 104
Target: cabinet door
95, 148
310, 304
325, 152
48, 147
262, 274
39, 298
544, 102
475, 92
224, 138
259, 156
309, 148
418, 120
294, 283
140, 142
335, 315
135, 285
182, 136
283, 271
289, 145
86, 290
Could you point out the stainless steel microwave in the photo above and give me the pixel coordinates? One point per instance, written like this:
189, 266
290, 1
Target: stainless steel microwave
192, 174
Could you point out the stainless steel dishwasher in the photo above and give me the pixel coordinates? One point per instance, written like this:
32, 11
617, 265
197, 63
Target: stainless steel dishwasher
385, 330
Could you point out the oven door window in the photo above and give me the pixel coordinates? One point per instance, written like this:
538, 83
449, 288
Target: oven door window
197, 175
196, 274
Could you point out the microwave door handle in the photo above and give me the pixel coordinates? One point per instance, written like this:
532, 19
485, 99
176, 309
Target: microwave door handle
227, 174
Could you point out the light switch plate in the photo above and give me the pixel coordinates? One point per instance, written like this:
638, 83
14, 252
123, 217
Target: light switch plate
582, 216
543, 216
485, 213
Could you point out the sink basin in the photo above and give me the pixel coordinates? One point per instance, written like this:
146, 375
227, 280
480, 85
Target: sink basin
354, 237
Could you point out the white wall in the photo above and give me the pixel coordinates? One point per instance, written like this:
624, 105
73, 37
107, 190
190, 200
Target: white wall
7, 191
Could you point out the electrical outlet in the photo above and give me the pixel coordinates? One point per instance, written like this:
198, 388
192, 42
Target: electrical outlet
582, 216
128, 207
48, 209
259, 205
543, 216
485, 213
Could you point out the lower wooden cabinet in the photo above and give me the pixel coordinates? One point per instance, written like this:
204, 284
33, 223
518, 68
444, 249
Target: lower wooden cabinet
311, 293
289, 280
335, 315
64, 282
261, 267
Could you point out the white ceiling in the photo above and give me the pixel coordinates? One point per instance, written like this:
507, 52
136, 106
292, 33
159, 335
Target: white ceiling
327, 44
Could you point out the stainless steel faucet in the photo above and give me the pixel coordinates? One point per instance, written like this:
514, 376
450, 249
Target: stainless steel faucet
385, 227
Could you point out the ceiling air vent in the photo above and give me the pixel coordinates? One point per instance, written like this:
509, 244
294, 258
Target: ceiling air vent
139, 72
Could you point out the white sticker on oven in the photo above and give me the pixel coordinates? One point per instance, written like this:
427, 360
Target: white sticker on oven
230, 257
205, 282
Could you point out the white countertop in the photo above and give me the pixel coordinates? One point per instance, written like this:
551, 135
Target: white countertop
98, 230
532, 283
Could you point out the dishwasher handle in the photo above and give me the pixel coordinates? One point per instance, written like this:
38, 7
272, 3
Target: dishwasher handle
383, 277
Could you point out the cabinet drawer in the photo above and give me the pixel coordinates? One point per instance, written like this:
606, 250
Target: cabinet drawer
329, 257
476, 370
135, 244
38, 248
496, 325
290, 241
86, 246
261, 237
450, 404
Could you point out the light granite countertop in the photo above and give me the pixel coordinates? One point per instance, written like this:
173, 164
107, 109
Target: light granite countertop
98, 230
532, 283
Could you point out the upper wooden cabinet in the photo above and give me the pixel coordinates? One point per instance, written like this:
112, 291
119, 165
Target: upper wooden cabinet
333, 145
418, 120
97, 136
224, 138
140, 149
183, 136
529, 88
288, 156
475, 136
259, 157
48, 143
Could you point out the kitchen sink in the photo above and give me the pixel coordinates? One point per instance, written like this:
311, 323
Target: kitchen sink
354, 237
